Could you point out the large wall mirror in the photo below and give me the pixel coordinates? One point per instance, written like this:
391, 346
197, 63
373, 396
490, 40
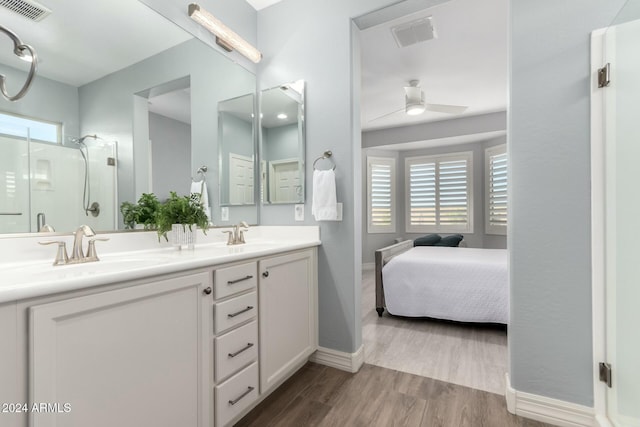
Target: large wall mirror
282, 144
123, 104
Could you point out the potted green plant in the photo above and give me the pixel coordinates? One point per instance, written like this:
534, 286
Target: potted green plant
142, 213
179, 214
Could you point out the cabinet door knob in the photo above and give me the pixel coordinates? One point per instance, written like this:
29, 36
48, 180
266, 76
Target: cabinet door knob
265, 274
207, 291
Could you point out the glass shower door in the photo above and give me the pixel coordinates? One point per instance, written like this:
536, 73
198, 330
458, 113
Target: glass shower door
622, 212
14, 180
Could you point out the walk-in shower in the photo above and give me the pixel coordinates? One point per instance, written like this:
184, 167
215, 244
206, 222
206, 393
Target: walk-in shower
60, 181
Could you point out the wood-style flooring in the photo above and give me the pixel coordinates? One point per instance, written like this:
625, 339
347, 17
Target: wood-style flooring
417, 372
323, 396
465, 354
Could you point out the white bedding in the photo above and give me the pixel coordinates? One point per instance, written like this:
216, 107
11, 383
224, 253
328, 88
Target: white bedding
463, 284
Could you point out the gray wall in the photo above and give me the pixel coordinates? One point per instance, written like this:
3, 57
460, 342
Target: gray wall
280, 142
170, 155
296, 42
550, 334
47, 100
477, 239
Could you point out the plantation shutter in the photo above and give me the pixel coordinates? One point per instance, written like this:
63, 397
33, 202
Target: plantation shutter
422, 192
381, 195
439, 197
496, 190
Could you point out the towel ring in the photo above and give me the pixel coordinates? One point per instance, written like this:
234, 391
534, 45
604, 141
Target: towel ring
327, 155
19, 49
202, 170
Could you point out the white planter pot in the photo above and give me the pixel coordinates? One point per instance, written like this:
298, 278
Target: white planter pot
183, 235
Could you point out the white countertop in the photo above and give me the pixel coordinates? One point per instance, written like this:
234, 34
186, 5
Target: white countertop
28, 279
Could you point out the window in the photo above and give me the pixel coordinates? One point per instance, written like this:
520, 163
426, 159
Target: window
381, 178
439, 193
37, 130
496, 190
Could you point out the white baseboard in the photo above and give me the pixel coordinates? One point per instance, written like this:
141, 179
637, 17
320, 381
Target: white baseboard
548, 410
368, 265
350, 362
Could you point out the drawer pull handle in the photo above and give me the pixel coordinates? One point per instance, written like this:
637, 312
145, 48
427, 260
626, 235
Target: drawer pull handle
237, 313
207, 291
237, 399
249, 345
233, 282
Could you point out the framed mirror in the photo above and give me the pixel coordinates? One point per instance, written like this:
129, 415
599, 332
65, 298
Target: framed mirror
282, 138
107, 119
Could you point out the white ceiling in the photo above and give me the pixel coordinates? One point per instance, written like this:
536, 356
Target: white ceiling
78, 42
261, 4
465, 65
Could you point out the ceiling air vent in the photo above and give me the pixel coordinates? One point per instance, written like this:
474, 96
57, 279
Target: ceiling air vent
27, 8
414, 32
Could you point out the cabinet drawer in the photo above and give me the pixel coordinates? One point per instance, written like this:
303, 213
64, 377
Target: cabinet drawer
235, 311
236, 394
231, 280
236, 349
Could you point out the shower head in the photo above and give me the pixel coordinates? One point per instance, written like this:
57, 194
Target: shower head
94, 136
80, 140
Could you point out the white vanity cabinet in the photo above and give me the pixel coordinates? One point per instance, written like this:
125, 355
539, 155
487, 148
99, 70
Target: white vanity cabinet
288, 315
192, 348
126, 357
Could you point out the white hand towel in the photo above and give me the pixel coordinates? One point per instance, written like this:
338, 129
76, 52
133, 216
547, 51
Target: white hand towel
200, 189
324, 205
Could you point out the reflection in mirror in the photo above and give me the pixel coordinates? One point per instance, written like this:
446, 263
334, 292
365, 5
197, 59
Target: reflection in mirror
283, 144
236, 151
126, 95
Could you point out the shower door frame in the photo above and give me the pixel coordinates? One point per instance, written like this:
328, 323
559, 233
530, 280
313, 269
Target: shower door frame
600, 302
598, 297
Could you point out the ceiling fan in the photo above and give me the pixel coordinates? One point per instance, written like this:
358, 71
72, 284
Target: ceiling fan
416, 105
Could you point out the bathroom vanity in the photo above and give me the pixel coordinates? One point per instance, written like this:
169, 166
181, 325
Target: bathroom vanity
157, 337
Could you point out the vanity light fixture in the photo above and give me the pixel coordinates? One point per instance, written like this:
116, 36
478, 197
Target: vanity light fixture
225, 36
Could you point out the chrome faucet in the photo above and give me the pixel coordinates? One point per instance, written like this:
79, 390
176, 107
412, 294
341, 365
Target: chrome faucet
236, 235
77, 254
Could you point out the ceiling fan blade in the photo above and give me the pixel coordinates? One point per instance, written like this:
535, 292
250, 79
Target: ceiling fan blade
386, 115
449, 109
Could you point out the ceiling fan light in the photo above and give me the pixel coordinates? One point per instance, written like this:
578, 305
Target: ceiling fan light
415, 109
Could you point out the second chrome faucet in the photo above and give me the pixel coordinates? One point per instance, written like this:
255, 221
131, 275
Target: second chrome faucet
236, 235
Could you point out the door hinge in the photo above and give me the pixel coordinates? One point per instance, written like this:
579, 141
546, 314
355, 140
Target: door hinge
605, 373
604, 75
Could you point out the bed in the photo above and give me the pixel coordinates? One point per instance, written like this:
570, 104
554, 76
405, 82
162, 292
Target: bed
451, 283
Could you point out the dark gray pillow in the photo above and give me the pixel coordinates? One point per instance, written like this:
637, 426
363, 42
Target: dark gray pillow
428, 240
452, 241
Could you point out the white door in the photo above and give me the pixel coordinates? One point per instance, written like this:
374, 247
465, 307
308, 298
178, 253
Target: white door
284, 181
240, 179
622, 224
